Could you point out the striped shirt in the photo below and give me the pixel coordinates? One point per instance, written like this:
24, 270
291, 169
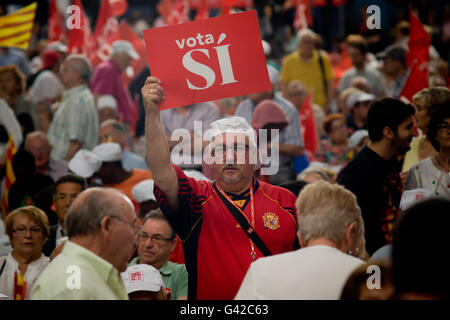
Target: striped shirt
75, 119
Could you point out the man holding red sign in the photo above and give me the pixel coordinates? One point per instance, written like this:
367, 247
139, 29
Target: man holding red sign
224, 225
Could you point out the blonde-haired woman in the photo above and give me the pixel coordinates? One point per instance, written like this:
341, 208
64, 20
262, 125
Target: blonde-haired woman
28, 229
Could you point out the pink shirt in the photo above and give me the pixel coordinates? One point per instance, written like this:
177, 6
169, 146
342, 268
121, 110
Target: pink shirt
107, 79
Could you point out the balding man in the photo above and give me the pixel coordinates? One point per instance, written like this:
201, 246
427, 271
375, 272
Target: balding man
75, 124
107, 78
37, 143
101, 226
113, 131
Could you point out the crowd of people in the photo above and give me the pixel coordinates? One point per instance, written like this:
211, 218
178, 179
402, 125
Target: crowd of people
98, 211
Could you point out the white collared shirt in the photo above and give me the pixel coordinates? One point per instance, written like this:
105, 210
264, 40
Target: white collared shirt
7, 277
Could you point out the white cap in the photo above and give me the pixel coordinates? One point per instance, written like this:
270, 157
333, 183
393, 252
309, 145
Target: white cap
143, 191
357, 97
84, 163
197, 175
108, 151
142, 277
274, 76
231, 125
124, 46
356, 137
57, 46
266, 47
106, 101
413, 196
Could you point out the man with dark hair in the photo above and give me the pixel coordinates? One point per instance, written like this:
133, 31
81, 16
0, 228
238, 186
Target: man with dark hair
373, 174
156, 240
357, 50
418, 251
395, 67
67, 188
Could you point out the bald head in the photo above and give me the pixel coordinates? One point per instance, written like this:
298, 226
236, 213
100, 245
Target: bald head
37, 143
88, 209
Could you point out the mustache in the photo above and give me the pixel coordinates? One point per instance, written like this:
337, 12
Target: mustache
229, 166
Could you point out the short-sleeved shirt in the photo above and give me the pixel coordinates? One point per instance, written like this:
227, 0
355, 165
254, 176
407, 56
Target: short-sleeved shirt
107, 79
98, 279
75, 119
217, 250
175, 278
308, 73
376, 184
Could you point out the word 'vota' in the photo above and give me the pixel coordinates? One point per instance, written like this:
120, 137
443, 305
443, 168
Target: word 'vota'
202, 70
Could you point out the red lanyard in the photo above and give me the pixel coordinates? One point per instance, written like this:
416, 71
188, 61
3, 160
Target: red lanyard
252, 207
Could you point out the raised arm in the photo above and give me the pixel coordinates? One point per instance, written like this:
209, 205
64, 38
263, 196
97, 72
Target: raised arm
158, 153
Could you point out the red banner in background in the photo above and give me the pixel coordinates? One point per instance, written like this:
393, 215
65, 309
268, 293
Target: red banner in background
56, 27
79, 36
208, 59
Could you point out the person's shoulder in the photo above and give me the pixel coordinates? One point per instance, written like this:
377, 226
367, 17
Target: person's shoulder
278, 193
293, 56
284, 103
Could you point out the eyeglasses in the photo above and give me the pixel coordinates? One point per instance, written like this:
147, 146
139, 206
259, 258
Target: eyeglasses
339, 126
21, 231
156, 238
221, 150
444, 125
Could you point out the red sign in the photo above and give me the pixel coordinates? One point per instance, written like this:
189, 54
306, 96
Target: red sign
208, 59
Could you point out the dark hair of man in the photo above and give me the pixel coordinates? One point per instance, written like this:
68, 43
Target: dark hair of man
70, 177
420, 243
294, 186
361, 46
386, 112
437, 116
157, 214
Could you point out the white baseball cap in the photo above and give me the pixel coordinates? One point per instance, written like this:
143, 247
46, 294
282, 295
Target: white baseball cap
106, 101
142, 277
108, 151
57, 46
356, 137
84, 163
231, 125
124, 46
143, 191
357, 97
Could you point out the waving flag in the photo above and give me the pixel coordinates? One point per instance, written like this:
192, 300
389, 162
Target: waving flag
56, 27
10, 178
15, 28
417, 58
79, 37
308, 125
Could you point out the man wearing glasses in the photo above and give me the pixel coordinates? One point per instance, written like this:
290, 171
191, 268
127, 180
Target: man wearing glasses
101, 225
156, 240
218, 250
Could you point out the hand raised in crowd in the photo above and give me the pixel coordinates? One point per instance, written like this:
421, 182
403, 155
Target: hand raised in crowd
152, 94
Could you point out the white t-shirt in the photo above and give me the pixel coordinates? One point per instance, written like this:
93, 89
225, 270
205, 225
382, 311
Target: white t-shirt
312, 273
7, 277
425, 175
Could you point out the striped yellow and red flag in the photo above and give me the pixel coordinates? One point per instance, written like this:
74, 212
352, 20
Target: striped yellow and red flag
20, 286
10, 178
15, 28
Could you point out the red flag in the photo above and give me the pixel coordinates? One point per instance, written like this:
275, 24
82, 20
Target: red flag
202, 11
179, 13
56, 27
417, 58
227, 5
164, 8
303, 15
79, 36
308, 125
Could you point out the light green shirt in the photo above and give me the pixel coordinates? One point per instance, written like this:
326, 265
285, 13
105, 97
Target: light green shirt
175, 278
78, 274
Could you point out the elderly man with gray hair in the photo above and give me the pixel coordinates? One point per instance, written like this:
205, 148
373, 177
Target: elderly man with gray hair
101, 225
224, 225
331, 233
75, 124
